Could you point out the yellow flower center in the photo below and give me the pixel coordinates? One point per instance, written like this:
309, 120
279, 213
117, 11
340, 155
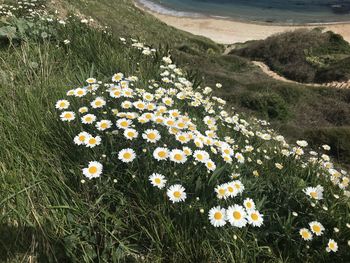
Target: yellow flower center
92, 169
316, 228
80, 92
254, 217
117, 93
177, 194
218, 215
162, 154
332, 245
98, 103
92, 141
62, 104
130, 134
249, 205
82, 138
88, 119
124, 124
222, 191
305, 234
178, 157
237, 215
313, 195
151, 136
127, 155
68, 115
230, 189
104, 125
157, 181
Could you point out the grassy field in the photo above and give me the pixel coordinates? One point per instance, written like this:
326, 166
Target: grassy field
50, 212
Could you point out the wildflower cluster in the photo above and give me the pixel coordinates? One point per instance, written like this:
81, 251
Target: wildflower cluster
189, 144
26, 9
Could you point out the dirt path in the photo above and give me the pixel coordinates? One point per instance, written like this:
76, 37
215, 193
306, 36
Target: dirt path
274, 75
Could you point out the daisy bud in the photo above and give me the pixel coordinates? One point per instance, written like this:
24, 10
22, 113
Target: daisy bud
115, 180
295, 214
336, 230
83, 181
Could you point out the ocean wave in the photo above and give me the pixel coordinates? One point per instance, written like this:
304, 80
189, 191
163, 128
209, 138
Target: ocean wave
166, 11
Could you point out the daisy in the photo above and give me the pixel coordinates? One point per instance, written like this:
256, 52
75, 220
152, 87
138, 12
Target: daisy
103, 125
182, 137
314, 192
151, 135
305, 234
187, 151
126, 104
201, 156
140, 105
123, 123
83, 110
178, 156
332, 246
127, 155
157, 180
176, 193
236, 216
79, 92
130, 134
317, 228
115, 93
81, 138
210, 165
217, 216
93, 170
249, 204
99, 102
62, 104
239, 157
238, 186
117, 77
128, 93
88, 119
91, 80
254, 218
67, 116
168, 101
91, 141
221, 191
160, 153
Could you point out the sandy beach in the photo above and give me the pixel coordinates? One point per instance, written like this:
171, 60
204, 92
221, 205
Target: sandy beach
228, 31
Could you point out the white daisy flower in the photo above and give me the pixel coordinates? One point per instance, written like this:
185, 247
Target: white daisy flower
217, 216
201, 156
176, 193
254, 218
91, 141
91, 80
117, 77
126, 155
236, 216
305, 234
240, 158
210, 165
79, 92
221, 191
83, 109
314, 192
123, 123
178, 156
317, 228
93, 170
67, 116
161, 153
88, 119
151, 135
62, 104
80, 139
130, 134
103, 125
99, 102
157, 180
116, 92
249, 204
332, 246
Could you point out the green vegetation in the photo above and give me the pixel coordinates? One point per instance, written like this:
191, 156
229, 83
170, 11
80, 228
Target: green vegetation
303, 55
48, 215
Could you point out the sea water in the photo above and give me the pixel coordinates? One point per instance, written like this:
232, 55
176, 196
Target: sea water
278, 11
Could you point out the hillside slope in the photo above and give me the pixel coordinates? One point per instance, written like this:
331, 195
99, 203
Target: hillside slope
105, 187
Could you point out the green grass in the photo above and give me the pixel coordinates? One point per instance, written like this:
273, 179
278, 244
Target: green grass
48, 215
